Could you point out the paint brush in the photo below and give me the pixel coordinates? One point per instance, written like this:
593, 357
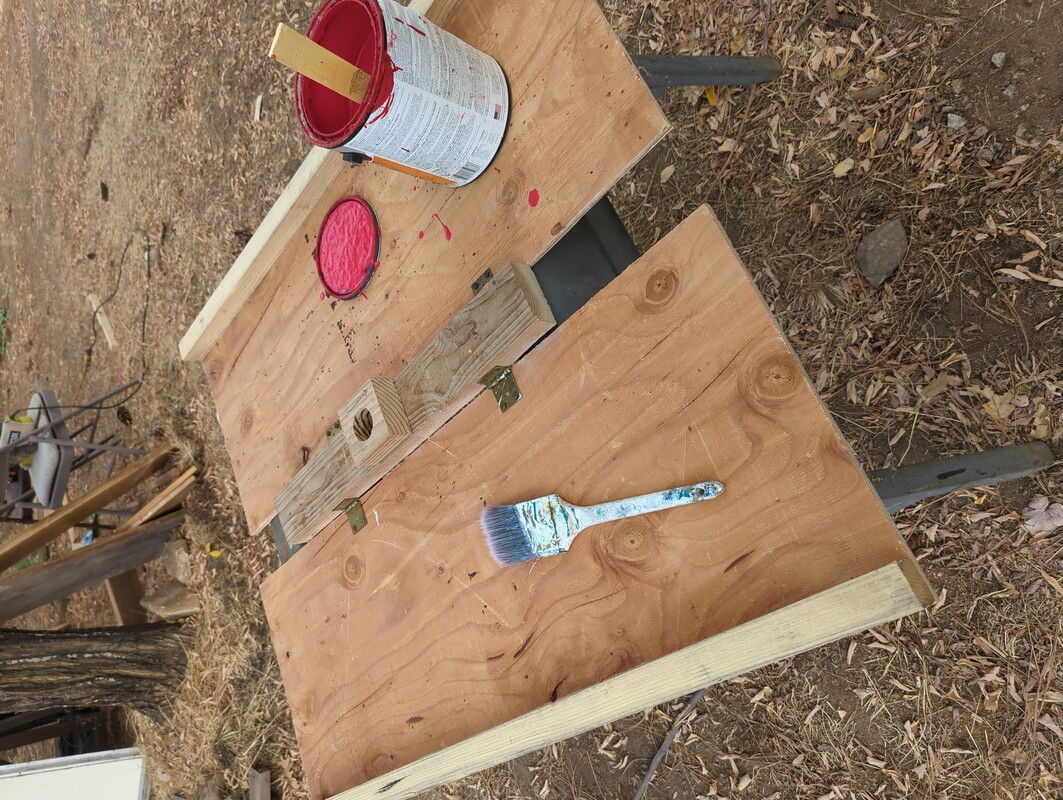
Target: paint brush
547, 525
320, 65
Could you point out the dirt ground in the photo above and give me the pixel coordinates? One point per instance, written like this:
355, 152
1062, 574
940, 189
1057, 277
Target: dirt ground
134, 168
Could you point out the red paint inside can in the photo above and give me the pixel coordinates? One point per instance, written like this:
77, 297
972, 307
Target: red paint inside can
353, 30
348, 248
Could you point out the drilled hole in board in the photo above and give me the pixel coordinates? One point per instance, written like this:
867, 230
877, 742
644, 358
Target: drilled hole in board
363, 425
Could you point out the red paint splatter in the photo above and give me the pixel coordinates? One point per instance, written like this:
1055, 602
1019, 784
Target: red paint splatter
420, 234
533, 198
414, 188
391, 39
322, 295
498, 170
121, 377
411, 27
446, 231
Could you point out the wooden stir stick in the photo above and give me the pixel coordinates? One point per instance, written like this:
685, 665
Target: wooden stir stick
320, 65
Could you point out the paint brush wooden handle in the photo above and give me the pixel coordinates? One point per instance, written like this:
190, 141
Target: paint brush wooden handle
646, 503
319, 64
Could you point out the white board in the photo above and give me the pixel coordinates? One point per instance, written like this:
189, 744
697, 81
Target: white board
111, 775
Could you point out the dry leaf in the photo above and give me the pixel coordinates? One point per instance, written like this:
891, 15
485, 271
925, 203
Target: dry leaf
667, 173
1000, 406
1033, 237
941, 382
843, 168
1014, 273
710, 95
1042, 516
726, 146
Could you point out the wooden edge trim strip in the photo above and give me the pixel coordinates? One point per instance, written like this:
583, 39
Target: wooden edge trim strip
317, 172
890, 592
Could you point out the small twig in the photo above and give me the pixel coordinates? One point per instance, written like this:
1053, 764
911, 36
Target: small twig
95, 329
696, 698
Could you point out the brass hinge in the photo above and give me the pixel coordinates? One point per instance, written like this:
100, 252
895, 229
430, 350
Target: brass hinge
503, 386
482, 281
355, 513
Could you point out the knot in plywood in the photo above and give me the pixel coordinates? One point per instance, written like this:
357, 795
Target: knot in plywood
768, 375
776, 376
660, 290
630, 541
353, 571
247, 420
510, 191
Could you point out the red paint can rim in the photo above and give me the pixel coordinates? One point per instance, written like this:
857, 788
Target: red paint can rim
353, 30
373, 260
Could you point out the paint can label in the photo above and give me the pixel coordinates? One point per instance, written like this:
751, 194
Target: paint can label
449, 107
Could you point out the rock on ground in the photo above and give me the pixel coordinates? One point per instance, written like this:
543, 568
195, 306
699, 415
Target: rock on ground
176, 561
881, 251
173, 601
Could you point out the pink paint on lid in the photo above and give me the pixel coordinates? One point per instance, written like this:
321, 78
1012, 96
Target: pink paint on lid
348, 247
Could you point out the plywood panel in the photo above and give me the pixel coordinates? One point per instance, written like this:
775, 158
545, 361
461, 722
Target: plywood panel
580, 117
880, 596
407, 638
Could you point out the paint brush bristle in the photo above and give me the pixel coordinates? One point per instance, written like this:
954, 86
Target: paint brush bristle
506, 536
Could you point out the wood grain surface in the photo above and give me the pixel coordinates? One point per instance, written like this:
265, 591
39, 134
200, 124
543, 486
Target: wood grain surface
580, 117
880, 596
407, 638
494, 329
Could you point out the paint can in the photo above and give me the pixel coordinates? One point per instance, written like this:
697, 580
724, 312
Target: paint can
348, 248
436, 108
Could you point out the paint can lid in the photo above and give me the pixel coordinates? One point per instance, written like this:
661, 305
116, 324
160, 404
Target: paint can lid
348, 248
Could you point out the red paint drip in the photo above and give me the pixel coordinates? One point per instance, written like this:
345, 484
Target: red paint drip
411, 27
496, 169
446, 231
420, 234
387, 90
346, 248
533, 198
